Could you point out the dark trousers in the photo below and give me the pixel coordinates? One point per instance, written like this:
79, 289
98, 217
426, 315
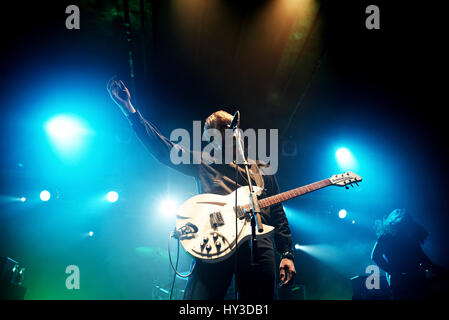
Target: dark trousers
210, 281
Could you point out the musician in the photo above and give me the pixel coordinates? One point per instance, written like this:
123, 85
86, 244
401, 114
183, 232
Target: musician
211, 281
398, 252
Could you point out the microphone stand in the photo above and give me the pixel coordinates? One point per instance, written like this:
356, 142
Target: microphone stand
255, 208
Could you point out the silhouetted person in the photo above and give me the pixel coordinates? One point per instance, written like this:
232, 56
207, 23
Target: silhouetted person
398, 252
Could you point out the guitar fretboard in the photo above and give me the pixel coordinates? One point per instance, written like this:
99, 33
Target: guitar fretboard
284, 196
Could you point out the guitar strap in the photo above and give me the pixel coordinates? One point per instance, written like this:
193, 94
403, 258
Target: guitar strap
199, 187
255, 173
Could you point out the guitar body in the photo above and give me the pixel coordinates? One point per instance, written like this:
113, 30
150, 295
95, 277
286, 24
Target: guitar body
206, 223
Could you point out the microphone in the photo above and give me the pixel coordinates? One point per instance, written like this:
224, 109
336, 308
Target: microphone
235, 123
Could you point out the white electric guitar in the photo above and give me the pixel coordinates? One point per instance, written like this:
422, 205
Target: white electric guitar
205, 224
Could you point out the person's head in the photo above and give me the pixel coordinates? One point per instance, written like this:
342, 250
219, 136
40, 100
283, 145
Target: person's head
400, 223
219, 120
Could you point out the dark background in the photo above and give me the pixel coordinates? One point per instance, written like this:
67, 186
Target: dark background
308, 68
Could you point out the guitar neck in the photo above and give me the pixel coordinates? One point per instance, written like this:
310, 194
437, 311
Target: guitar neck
287, 195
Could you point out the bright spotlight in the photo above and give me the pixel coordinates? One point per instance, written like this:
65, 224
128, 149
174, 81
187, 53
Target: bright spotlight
345, 159
353, 221
66, 132
91, 233
297, 246
112, 196
45, 195
168, 206
329, 254
23, 199
342, 214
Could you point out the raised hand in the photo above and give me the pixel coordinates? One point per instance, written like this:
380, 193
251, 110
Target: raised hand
120, 95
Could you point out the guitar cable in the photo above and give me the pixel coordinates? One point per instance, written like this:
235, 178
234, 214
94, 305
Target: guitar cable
175, 234
236, 229
175, 268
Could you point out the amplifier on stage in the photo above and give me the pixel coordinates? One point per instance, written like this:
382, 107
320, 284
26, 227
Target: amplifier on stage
11, 277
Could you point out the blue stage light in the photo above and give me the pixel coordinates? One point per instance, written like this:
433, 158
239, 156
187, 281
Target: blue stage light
168, 206
23, 199
297, 246
112, 196
91, 233
342, 214
45, 195
66, 132
345, 159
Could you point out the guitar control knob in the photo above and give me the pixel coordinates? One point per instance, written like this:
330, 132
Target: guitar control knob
203, 243
215, 236
208, 247
218, 244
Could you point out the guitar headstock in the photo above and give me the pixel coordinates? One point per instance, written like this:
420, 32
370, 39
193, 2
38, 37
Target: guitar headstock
345, 179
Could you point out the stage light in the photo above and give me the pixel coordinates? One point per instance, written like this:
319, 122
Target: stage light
112, 196
23, 199
168, 206
342, 214
66, 132
309, 224
345, 159
327, 253
45, 195
353, 221
91, 233
297, 246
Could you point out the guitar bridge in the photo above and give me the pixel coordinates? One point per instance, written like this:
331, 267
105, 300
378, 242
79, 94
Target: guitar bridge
216, 219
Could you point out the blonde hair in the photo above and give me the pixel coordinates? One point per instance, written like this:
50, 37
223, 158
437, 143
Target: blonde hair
218, 120
400, 222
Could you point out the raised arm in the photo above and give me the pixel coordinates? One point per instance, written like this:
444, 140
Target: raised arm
120, 95
159, 146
